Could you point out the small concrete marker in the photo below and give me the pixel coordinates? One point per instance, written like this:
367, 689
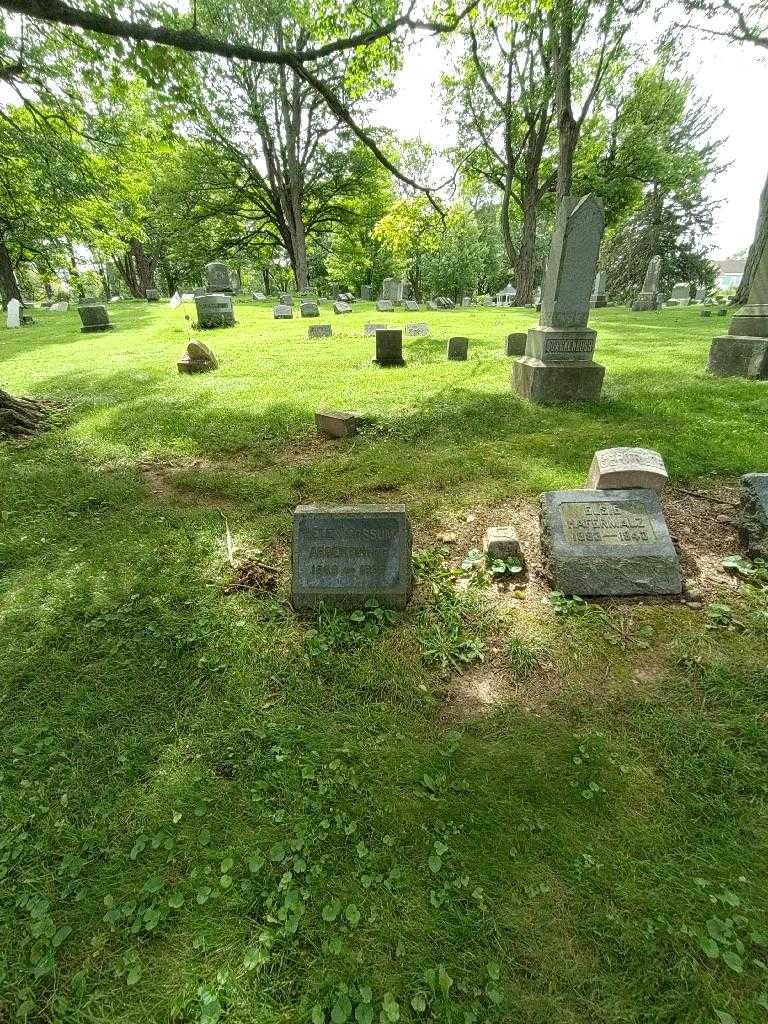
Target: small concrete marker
336, 424
619, 468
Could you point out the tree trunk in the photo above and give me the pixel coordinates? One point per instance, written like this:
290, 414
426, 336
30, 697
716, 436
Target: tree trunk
9, 286
567, 127
20, 417
758, 245
105, 282
145, 277
171, 280
526, 260
265, 275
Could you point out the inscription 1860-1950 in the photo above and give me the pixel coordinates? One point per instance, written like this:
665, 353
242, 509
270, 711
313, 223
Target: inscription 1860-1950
607, 522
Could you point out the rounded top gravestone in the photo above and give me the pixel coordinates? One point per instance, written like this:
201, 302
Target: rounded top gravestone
218, 277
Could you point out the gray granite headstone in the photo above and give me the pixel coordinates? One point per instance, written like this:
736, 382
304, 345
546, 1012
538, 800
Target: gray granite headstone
214, 310
557, 367
457, 349
385, 306
753, 522
389, 348
417, 330
94, 318
608, 543
648, 299
599, 298
218, 278
743, 351
319, 331
309, 308
681, 293
516, 343
341, 307
344, 556
392, 289
619, 468
366, 292
282, 312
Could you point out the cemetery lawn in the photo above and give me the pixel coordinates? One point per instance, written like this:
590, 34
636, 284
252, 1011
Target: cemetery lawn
483, 809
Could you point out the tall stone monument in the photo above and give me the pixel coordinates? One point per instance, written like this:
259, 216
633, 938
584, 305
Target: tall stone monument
599, 297
743, 351
557, 366
649, 296
392, 289
218, 278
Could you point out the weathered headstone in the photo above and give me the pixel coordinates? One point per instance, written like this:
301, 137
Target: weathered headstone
175, 300
443, 302
309, 309
282, 311
218, 278
341, 307
366, 292
515, 345
604, 543
197, 359
94, 318
599, 298
411, 305
385, 306
199, 291
319, 331
152, 295
681, 294
13, 313
336, 424
258, 296
392, 289
466, 302
620, 468
370, 329
389, 348
214, 310
648, 298
417, 330
60, 307
502, 542
457, 349
557, 366
753, 519
344, 556
743, 351
285, 298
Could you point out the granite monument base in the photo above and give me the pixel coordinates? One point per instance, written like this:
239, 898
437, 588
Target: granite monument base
732, 356
94, 328
557, 383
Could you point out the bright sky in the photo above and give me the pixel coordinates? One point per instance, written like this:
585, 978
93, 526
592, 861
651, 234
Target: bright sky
735, 78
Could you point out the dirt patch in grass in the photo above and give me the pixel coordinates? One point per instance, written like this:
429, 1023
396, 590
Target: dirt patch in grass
703, 522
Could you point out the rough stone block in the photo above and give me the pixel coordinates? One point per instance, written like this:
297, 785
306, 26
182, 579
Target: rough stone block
557, 383
620, 468
336, 424
344, 556
516, 343
502, 542
389, 348
608, 543
457, 349
753, 524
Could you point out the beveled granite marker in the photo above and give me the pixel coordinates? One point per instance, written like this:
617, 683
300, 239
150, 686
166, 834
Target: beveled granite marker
94, 318
214, 310
344, 556
619, 468
743, 351
557, 366
649, 296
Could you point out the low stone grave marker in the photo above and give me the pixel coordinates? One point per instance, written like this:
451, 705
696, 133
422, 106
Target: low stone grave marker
60, 307
385, 306
753, 519
285, 299
370, 329
411, 305
341, 307
309, 309
152, 295
94, 318
344, 556
516, 343
502, 542
214, 310
319, 331
457, 349
417, 330
336, 424
197, 359
608, 543
283, 312
466, 302
619, 468
389, 348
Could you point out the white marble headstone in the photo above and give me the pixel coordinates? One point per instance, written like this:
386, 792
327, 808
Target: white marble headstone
175, 301
14, 314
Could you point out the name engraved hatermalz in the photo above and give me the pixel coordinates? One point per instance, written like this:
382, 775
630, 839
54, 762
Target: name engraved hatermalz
361, 560
606, 522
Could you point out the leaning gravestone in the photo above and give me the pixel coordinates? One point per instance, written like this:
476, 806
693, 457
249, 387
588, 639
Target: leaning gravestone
282, 311
608, 543
743, 351
341, 307
309, 309
557, 366
218, 278
649, 296
417, 330
345, 556
197, 359
599, 298
620, 468
94, 318
389, 348
214, 310
515, 345
385, 306
411, 305
319, 331
152, 295
753, 524
13, 313
457, 349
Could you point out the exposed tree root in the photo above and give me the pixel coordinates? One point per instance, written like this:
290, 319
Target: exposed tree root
21, 417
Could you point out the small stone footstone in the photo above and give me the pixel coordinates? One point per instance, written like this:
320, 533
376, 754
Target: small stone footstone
608, 543
341, 307
619, 468
197, 359
336, 424
417, 330
319, 331
94, 318
411, 305
370, 329
344, 556
557, 367
502, 542
705, 311
214, 310
457, 349
309, 309
385, 306
152, 295
389, 348
283, 312
753, 519
516, 343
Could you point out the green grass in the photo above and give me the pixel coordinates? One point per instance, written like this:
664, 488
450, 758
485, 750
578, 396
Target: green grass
211, 809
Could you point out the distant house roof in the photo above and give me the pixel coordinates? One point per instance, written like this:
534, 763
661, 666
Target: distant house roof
730, 266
